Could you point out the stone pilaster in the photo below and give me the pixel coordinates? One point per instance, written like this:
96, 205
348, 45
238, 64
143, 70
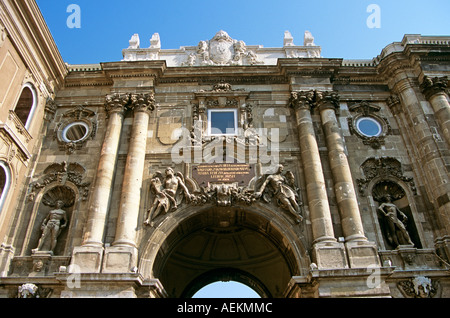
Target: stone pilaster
122, 255
434, 90
89, 256
327, 253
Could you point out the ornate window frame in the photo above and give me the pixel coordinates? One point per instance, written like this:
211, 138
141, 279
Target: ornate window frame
222, 97
64, 130
365, 110
78, 116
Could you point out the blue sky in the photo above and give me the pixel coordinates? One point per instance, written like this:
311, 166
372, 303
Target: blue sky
339, 26
226, 290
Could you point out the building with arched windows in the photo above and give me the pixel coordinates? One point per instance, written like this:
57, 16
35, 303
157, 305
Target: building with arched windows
299, 175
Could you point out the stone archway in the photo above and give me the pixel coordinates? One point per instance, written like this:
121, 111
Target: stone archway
226, 274
253, 246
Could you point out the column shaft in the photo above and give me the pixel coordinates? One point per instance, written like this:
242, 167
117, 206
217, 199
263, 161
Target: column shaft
441, 108
320, 214
132, 183
99, 204
343, 183
435, 172
434, 90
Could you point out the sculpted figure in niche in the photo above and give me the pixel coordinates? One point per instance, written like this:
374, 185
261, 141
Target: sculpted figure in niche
52, 226
284, 194
396, 220
168, 193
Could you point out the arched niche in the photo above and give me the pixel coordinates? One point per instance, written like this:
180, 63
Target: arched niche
45, 202
391, 191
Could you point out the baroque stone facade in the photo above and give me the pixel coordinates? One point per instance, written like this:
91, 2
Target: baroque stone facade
296, 174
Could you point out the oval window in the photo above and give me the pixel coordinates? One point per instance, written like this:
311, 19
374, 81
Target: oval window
369, 127
75, 132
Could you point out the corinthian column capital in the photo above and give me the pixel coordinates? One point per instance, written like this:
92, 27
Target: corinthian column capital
116, 103
432, 86
327, 100
143, 102
301, 100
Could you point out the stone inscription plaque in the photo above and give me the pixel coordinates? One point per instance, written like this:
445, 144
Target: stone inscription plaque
223, 173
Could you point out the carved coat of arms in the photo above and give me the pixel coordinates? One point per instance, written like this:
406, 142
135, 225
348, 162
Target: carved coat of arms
221, 48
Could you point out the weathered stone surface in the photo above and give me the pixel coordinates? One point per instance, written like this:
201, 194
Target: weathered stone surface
319, 212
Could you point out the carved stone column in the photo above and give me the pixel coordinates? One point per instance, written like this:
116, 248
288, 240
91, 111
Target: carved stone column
122, 255
327, 103
434, 90
89, 256
327, 253
361, 252
436, 176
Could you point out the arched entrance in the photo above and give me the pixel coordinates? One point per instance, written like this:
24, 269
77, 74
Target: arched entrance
226, 283
255, 246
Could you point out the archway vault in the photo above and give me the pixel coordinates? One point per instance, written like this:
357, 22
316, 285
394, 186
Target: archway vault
255, 246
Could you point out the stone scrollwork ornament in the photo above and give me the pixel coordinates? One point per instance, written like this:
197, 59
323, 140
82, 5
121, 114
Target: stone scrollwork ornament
386, 167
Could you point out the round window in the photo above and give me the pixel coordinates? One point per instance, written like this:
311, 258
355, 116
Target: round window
74, 132
369, 127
